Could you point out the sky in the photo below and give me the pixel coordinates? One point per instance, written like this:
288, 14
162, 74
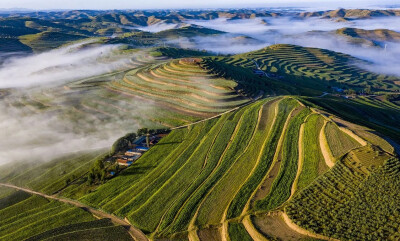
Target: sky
157, 4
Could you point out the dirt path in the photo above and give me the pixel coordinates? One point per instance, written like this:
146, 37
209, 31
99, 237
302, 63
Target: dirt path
264, 188
253, 232
225, 232
300, 230
192, 235
300, 161
259, 96
323, 143
136, 234
247, 206
354, 136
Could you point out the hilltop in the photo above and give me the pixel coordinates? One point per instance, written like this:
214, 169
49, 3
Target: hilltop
352, 13
370, 37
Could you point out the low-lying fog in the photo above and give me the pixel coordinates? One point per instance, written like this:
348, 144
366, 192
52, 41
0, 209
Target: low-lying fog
253, 34
308, 32
59, 65
35, 135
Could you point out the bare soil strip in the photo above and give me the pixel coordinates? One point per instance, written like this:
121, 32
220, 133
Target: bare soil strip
354, 136
300, 161
323, 143
224, 232
136, 233
265, 186
300, 230
253, 232
247, 206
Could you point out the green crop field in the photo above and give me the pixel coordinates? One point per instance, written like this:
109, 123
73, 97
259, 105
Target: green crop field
311, 69
208, 177
37, 218
282, 143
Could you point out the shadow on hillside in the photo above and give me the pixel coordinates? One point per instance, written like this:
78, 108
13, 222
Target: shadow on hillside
132, 170
169, 143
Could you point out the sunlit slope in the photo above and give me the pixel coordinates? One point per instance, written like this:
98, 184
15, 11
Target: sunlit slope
369, 37
30, 217
65, 175
182, 85
210, 179
371, 111
313, 68
144, 91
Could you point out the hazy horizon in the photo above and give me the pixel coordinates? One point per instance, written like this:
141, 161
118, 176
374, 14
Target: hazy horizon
175, 4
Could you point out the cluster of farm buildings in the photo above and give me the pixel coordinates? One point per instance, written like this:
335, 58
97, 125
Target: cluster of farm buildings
140, 146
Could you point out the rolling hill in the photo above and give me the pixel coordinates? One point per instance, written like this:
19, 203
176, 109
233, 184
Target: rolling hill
282, 143
313, 68
31, 217
227, 177
352, 13
369, 37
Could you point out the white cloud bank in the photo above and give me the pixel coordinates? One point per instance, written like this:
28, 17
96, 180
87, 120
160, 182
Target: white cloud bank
59, 65
310, 32
29, 136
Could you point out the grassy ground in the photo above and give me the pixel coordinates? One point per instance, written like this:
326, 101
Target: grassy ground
314, 164
36, 218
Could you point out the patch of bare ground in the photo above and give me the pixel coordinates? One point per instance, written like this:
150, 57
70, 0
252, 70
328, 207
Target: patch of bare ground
207, 234
273, 225
294, 227
251, 229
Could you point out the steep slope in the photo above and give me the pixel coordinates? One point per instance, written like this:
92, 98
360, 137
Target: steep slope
219, 172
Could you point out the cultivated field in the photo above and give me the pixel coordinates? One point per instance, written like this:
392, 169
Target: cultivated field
31, 217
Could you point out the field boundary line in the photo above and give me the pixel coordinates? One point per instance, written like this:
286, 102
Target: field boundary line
277, 154
353, 135
299, 162
323, 143
301, 230
201, 184
194, 180
247, 206
216, 116
135, 233
252, 230
232, 137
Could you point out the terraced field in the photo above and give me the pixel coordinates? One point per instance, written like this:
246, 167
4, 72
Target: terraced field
221, 176
342, 200
182, 85
179, 92
60, 175
231, 177
313, 68
31, 217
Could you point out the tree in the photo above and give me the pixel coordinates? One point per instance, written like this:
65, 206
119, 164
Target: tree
90, 178
350, 92
368, 90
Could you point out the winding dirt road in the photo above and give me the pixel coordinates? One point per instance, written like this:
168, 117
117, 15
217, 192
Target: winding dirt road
136, 234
